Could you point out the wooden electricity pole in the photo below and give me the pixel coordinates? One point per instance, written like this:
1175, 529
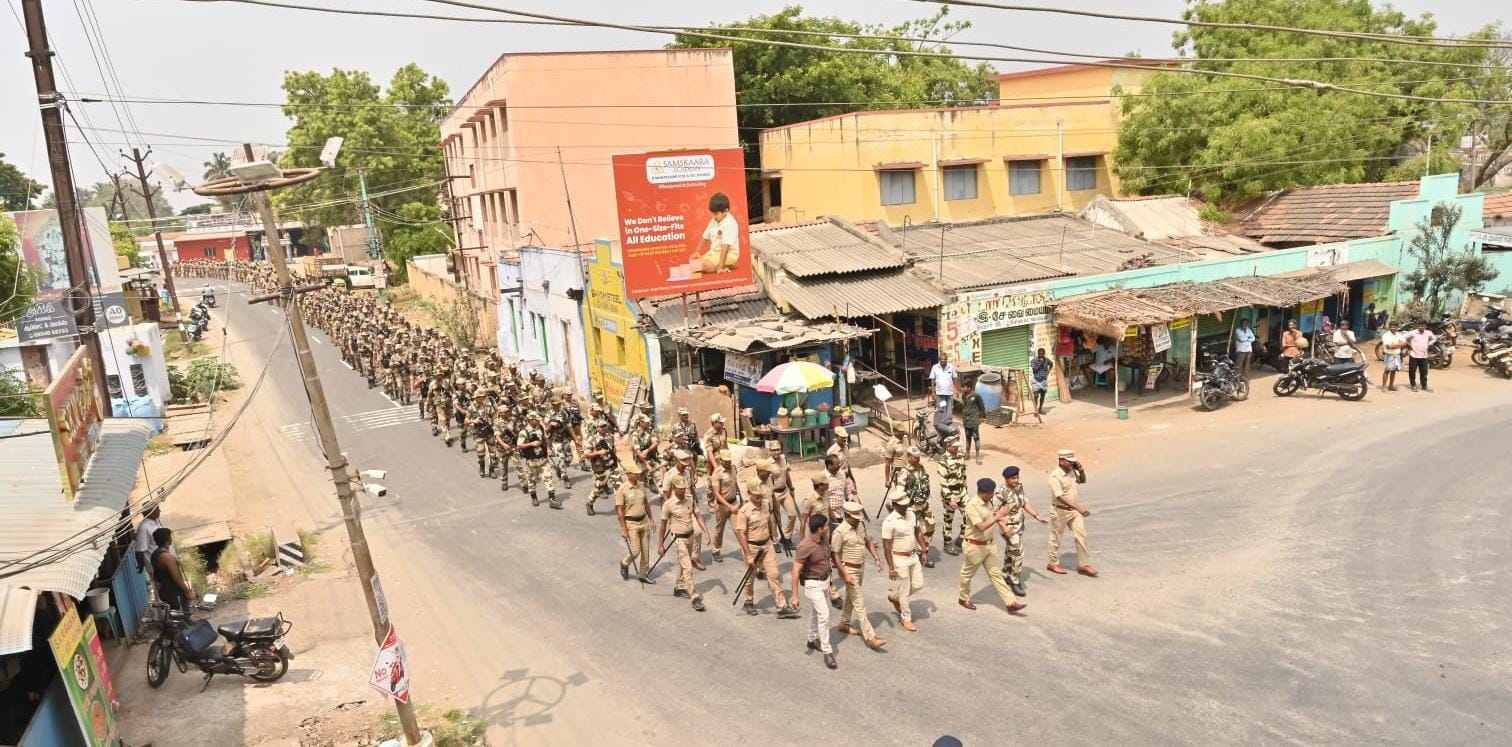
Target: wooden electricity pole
140, 159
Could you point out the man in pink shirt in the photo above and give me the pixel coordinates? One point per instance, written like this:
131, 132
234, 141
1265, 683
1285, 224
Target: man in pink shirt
1418, 342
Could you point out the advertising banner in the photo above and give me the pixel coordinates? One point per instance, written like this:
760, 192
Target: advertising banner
74, 645
390, 673
742, 369
683, 221
73, 414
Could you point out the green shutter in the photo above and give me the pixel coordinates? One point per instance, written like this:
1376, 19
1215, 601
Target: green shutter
1210, 324
1008, 347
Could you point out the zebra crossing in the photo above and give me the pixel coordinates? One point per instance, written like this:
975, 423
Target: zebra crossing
358, 422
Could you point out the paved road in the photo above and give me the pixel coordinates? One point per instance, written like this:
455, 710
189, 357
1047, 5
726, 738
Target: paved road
1332, 576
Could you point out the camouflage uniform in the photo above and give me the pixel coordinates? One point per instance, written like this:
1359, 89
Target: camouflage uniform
481, 423
504, 443
441, 404
643, 439
915, 481
560, 437
952, 492
1013, 533
533, 461
605, 474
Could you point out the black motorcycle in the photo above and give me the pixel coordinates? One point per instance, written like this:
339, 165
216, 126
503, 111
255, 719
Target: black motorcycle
199, 321
254, 648
207, 297
1344, 379
1222, 384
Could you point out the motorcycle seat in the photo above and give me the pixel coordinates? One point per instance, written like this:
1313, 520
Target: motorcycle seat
257, 627
1334, 369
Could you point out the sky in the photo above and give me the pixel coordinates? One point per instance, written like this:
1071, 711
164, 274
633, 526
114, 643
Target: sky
227, 51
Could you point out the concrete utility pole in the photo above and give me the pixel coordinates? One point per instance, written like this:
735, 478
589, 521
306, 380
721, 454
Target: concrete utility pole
325, 428
80, 298
367, 218
140, 159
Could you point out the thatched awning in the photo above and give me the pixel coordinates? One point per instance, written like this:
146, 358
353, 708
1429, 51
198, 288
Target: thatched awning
1111, 312
767, 333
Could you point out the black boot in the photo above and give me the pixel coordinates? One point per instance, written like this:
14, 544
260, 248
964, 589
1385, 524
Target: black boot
534, 501
552, 499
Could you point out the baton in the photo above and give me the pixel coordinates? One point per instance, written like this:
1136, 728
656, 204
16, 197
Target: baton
632, 554
662, 555
748, 574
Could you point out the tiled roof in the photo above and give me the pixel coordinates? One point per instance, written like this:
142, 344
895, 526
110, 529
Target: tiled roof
1331, 212
1498, 206
823, 247
1002, 251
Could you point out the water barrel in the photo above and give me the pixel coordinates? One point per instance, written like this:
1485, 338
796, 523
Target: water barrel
990, 387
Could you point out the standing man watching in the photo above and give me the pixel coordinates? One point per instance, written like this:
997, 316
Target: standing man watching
1069, 513
973, 409
145, 544
1244, 346
1418, 342
811, 571
1344, 343
980, 549
943, 375
1393, 342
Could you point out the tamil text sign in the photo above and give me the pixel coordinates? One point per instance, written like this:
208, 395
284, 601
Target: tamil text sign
963, 322
73, 413
682, 221
742, 369
76, 646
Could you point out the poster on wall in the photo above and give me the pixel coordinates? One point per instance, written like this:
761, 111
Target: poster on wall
682, 221
744, 370
76, 647
41, 237
1160, 336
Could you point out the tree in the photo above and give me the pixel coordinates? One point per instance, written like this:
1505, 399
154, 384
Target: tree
1490, 127
1227, 139
395, 145
17, 399
125, 244
18, 281
201, 209
103, 194
1442, 271
783, 85
218, 167
418, 229
17, 189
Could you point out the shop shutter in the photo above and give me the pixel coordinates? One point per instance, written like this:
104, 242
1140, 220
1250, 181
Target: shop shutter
1008, 347
1209, 325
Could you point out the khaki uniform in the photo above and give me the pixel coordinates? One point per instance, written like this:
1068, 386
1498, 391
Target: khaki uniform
782, 500
632, 499
849, 545
722, 482
905, 558
678, 517
1064, 517
895, 453
980, 550
756, 524
713, 443
952, 489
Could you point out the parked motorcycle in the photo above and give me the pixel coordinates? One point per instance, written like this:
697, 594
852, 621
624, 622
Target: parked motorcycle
931, 437
1344, 379
253, 648
207, 297
1220, 385
199, 321
1500, 358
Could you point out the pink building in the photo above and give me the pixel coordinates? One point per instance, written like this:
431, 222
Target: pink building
503, 139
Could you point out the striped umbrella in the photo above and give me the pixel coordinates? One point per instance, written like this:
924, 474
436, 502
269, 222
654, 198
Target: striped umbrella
798, 376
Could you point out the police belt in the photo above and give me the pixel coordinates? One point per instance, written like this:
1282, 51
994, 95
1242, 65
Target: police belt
854, 566
754, 543
683, 536
642, 517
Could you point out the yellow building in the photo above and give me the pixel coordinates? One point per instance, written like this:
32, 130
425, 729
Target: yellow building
616, 347
1044, 146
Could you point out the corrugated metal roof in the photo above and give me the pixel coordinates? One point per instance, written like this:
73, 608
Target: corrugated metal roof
822, 248
17, 608
37, 516
728, 306
860, 294
1003, 251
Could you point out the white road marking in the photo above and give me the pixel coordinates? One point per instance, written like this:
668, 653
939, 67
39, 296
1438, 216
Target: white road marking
348, 365
316, 340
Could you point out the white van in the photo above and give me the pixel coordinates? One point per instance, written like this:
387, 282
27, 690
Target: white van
360, 277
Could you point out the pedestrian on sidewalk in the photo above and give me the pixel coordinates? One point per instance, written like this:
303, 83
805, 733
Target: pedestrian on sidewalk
167, 577
943, 375
1039, 383
811, 572
1244, 346
1418, 342
902, 543
1344, 343
1292, 342
980, 549
850, 545
973, 409
1069, 513
1393, 342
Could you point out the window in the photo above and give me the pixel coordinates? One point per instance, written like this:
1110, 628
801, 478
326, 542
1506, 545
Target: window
1081, 173
774, 192
514, 207
897, 187
113, 385
138, 380
961, 182
1436, 216
1024, 177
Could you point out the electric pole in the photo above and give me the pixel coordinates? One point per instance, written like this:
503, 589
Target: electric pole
140, 159
367, 217
80, 298
325, 428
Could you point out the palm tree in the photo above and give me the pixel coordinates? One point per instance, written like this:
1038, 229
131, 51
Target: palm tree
218, 167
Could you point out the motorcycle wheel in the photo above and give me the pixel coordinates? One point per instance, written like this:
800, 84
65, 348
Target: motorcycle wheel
1505, 367
1211, 399
1285, 386
159, 660
1380, 352
270, 662
1441, 361
1478, 357
1355, 394
1241, 390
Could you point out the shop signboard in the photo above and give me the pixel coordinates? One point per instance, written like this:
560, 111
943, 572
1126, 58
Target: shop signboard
616, 349
73, 414
1160, 337
963, 322
45, 320
76, 647
742, 369
673, 236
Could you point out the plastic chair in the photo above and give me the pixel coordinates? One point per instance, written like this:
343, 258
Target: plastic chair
112, 621
1100, 379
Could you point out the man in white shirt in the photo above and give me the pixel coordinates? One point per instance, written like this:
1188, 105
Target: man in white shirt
943, 375
1344, 343
1393, 342
144, 544
1244, 346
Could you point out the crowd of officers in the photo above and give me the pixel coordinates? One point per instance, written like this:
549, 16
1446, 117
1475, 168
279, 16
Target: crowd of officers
675, 477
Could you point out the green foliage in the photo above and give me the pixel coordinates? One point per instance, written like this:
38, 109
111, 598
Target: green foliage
17, 399
395, 145
1213, 214
125, 244
201, 380
419, 229
1441, 271
103, 194
18, 281
453, 728
260, 548
782, 85
218, 167
200, 209
17, 190
1440, 161
1227, 139
192, 566
229, 559
251, 590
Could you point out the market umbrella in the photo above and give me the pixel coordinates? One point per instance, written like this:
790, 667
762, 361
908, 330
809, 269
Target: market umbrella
798, 376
